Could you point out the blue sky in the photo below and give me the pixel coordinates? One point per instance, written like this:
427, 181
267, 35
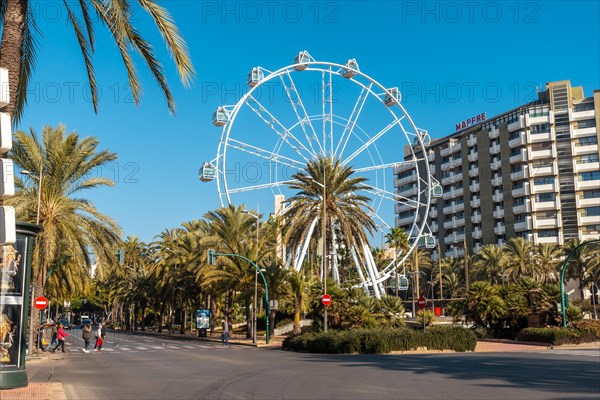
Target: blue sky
451, 60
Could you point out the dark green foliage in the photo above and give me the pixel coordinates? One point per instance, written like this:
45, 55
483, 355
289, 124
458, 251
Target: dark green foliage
580, 332
379, 341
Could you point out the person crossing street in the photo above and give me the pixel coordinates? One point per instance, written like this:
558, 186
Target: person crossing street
87, 337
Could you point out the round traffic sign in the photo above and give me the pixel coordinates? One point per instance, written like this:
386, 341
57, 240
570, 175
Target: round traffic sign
422, 302
41, 303
326, 300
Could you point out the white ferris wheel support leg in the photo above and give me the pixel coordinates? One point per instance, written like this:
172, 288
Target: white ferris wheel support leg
371, 269
300, 259
336, 272
359, 270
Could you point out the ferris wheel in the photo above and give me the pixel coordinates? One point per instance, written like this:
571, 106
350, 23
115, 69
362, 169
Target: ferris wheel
311, 109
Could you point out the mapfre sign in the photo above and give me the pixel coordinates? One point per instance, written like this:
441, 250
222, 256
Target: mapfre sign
471, 121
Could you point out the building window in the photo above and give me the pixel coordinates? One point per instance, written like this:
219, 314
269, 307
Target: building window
406, 214
543, 197
547, 233
517, 185
543, 181
591, 194
586, 123
540, 128
591, 212
587, 141
592, 229
519, 201
590, 176
588, 158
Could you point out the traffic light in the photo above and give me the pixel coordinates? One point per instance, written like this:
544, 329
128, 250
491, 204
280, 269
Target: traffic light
211, 257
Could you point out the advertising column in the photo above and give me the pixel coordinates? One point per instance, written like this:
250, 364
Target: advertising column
15, 278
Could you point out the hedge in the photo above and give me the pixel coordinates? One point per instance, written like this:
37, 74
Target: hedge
579, 332
379, 341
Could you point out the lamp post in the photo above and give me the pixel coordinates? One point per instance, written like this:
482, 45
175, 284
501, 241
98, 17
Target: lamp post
37, 222
255, 277
324, 235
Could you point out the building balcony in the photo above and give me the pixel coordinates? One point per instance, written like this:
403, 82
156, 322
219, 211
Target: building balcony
499, 230
545, 205
454, 253
583, 236
431, 156
473, 172
496, 165
495, 149
551, 187
518, 124
577, 133
404, 167
585, 220
475, 203
518, 141
477, 248
579, 150
546, 223
472, 141
494, 133
449, 224
474, 187
458, 207
477, 233
399, 182
582, 202
523, 174
540, 137
548, 239
456, 178
522, 191
586, 167
526, 225
519, 157
433, 212
497, 181
434, 227
451, 148
579, 115
500, 242
541, 154
533, 119
585, 185
523, 208
408, 221
498, 214
407, 192
541, 171
498, 197
432, 169
472, 157
401, 207
476, 218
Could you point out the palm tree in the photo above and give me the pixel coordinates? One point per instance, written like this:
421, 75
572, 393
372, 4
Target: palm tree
398, 240
71, 225
546, 261
489, 263
417, 260
583, 262
519, 258
19, 42
345, 208
296, 296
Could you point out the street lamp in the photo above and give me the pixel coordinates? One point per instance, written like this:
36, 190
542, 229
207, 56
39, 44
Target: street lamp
37, 222
324, 233
255, 276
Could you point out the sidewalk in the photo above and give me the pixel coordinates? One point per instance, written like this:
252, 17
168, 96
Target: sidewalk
39, 370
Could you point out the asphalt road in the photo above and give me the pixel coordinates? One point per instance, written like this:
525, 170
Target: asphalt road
147, 367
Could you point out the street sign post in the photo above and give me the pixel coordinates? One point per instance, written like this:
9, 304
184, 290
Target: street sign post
41, 302
422, 302
326, 300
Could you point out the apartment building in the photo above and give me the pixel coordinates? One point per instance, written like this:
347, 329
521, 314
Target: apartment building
531, 172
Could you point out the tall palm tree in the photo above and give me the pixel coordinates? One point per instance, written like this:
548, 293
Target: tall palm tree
519, 258
345, 207
71, 225
19, 43
583, 263
489, 263
417, 261
398, 240
546, 261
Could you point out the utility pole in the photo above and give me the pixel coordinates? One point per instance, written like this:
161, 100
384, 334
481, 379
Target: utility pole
441, 287
324, 233
466, 259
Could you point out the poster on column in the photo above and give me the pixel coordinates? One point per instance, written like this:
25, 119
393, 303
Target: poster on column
12, 277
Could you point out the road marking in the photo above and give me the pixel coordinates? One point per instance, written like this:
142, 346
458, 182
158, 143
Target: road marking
174, 347
142, 348
125, 348
190, 347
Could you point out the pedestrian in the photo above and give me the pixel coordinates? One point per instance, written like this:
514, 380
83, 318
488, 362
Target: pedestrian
103, 325
61, 335
53, 338
99, 341
87, 337
225, 336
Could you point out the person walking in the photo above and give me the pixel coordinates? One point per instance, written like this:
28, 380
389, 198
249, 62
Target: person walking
99, 341
225, 337
87, 337
53, 338
61, 335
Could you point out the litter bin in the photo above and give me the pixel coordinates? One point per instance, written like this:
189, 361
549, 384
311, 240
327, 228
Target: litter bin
438, 311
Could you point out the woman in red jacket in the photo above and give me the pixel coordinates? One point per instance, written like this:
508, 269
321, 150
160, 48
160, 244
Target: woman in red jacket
62, 335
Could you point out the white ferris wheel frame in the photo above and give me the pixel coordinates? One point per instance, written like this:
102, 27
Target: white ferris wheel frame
424, 181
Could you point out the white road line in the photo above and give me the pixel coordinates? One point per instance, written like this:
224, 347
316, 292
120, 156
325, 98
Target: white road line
142, 348
174, 347
125, 348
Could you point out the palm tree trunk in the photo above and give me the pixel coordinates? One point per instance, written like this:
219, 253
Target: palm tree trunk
12, 36
250, 319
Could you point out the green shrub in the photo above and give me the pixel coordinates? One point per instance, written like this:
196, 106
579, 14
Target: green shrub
426, 315
574, 314
555, 336
378, 341
283, 322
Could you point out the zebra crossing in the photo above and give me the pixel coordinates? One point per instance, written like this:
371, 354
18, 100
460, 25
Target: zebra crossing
154, 346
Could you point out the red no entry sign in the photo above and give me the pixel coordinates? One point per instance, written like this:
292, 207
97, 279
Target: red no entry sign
41, 303
326, 300
422, 302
